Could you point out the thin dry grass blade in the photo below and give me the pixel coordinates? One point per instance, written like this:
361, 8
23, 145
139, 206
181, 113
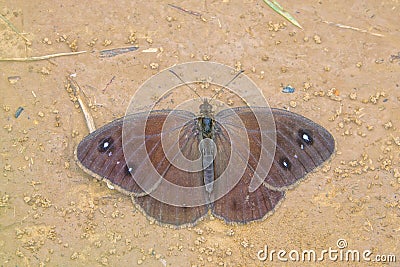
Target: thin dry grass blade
13, 28
42, 57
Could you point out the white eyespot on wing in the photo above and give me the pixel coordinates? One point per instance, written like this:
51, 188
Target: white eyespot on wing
306, 138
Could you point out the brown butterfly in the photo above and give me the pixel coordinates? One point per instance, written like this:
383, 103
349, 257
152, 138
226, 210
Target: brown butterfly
301, 146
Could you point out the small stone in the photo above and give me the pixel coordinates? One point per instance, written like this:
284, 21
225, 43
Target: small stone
396, 173
107, 42
139, 262
62, 38
46, 41
317, 39
228, 252
206, 57
293, 104
230, 232
132, 38
396, 140
370, 127
73, 45
104, 261
74, 133
45, 71
306, 97
154, 66
353, 95
74, 256
7, 167
13, 79
307, 85
388, 125
238, 66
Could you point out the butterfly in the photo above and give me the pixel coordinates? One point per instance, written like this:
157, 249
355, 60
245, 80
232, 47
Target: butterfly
240, 166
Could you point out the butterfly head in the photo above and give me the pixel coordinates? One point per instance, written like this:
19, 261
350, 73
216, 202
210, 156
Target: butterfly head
206, 108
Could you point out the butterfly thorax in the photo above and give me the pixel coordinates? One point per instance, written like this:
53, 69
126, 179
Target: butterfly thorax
206, 127
206, 121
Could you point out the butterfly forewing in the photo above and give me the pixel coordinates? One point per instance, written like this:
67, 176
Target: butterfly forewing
302, 145
101, 155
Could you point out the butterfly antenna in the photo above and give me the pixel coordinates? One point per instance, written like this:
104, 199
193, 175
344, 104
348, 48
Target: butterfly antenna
185, 83
226, 85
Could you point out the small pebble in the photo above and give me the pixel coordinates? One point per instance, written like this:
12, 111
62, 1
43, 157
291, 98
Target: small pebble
353, 96
107, 42
154, 66
47, 41
317, 39
13, 79
206, 57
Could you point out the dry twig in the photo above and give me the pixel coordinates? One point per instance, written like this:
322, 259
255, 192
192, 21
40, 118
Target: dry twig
351, 28
42, 57
88, 117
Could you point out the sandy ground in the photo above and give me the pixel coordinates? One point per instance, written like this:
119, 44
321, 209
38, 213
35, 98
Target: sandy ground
54, 214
